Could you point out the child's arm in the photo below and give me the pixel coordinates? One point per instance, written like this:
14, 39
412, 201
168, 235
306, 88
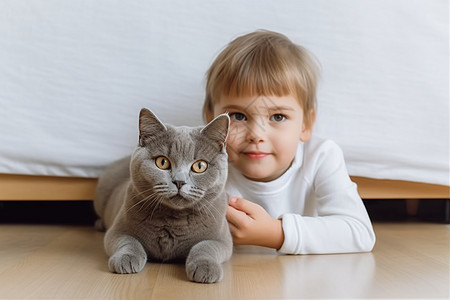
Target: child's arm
250, 224
335, 220
339, 222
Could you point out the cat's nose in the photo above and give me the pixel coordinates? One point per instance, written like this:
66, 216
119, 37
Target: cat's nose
179, 183
179, 179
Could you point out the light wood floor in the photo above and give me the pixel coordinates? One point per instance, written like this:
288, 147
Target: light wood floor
410, 260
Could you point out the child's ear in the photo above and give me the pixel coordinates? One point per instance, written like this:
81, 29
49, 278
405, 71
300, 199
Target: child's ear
307, 127
306, 134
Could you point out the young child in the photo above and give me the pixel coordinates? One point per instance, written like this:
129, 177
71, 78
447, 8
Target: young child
288, 190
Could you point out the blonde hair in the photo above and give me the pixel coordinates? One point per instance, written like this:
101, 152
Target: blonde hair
263, 63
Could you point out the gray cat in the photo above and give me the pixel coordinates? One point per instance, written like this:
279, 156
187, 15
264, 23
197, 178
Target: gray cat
167, 201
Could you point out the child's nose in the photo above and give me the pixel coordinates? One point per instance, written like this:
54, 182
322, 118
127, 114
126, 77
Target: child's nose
255, 133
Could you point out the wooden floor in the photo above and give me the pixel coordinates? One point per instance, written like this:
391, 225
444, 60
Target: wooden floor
410, 260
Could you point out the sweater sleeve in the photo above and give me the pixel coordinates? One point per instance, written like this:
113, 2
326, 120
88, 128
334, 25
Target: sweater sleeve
340, 223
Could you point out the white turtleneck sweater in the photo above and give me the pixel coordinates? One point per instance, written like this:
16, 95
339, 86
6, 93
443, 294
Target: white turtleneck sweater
319, 205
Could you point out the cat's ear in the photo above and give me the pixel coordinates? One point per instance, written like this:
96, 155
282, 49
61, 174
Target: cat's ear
217, 130
149, 124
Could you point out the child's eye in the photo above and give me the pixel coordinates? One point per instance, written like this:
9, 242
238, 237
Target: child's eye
278, 118
238, 117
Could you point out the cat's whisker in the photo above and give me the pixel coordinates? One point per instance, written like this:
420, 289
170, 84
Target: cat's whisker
204, 209
210, 207
196, 192
158, 201
137, 203
149, 202
143, 201
209, 212
139, 194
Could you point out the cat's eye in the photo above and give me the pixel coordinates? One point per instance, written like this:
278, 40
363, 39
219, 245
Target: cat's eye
199, 166
162, 162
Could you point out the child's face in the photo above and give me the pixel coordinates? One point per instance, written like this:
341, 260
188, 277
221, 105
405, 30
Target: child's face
264, 134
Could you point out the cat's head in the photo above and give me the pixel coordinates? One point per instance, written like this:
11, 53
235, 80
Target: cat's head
180, 167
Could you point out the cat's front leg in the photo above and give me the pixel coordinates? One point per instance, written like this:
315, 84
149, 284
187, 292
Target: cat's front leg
127, 255
204, 262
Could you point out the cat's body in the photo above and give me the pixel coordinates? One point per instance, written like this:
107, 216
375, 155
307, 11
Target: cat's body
167, 202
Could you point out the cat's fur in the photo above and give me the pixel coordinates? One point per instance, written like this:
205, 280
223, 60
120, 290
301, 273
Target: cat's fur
172, 214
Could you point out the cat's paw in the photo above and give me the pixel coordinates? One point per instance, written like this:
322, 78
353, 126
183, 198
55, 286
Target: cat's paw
204, 271
126, 263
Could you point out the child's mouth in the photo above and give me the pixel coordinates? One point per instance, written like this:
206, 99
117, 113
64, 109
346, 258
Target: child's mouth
256, 155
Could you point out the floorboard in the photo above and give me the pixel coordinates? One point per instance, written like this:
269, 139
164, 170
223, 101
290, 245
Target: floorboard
51, 261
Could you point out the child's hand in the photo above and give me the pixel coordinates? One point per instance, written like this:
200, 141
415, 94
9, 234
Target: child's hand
250, 224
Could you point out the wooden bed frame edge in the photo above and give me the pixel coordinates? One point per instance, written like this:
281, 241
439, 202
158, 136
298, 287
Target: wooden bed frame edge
39, 188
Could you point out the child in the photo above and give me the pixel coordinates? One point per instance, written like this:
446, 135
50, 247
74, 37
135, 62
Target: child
289, 190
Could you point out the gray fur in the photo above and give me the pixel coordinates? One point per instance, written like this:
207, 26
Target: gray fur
166, 215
